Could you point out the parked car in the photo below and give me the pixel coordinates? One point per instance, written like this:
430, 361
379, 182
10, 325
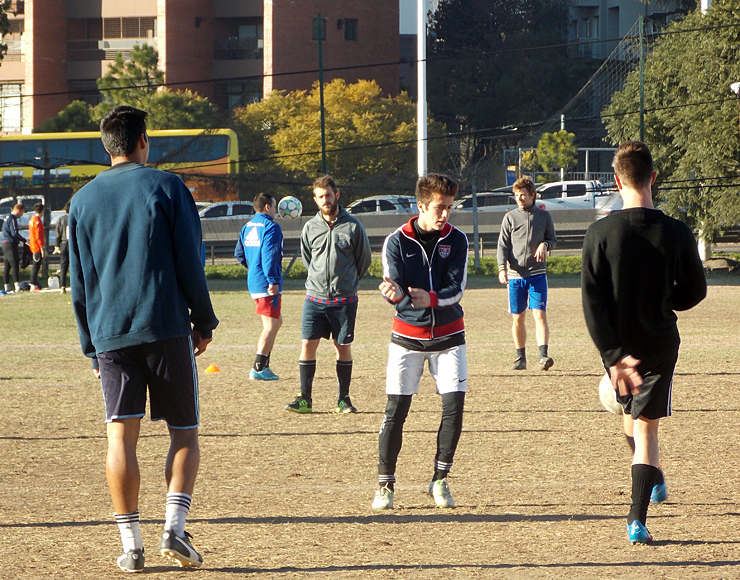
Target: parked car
383, 204
572, 195
501, 199
227, 210
613, 203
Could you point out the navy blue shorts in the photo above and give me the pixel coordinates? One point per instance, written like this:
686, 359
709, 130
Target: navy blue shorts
534, 288
329, 320
166, 367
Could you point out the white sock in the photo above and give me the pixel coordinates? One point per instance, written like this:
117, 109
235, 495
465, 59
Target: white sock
128, 525
178, 507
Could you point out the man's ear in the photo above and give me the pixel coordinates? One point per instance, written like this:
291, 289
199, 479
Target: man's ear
618, 182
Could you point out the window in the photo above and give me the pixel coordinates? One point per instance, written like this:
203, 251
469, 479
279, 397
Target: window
350, 29
553, 192
364, 207
315, 28
386, 205
216, 211
576, 190
242, 209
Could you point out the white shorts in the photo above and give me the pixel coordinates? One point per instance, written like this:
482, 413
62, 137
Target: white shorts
449, 368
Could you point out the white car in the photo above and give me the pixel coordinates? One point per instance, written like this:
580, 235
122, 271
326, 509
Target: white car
501, 199
572, 195
383, 204
228, 210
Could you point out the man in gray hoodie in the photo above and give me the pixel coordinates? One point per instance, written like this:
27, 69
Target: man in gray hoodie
336, 253
527, 234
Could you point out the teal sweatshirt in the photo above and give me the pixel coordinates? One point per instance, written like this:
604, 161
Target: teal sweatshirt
134, 252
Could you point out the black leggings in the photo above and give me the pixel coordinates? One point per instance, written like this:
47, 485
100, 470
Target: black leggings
10, 256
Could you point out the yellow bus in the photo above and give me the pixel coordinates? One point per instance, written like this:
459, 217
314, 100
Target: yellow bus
81, 156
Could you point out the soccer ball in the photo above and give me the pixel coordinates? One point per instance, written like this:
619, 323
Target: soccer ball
608, 396
290, 207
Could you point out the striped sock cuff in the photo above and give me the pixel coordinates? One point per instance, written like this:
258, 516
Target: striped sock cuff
127, 518
383, 479
442, 465
182, 500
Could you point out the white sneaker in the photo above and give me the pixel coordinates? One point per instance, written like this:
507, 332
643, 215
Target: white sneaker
440, 491
383, 499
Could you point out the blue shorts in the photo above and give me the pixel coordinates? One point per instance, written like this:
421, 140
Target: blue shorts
534, 288
166, 368
321, 320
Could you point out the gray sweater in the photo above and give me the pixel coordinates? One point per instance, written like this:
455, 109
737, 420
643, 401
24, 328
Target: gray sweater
522, 230
335, 256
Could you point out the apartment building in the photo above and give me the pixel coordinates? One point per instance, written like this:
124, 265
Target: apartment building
231, 51
597, 26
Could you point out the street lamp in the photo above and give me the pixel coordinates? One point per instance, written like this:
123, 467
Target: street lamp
735, 88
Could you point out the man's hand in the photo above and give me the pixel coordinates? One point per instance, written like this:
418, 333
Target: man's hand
390, 290
272, 289
419, 298
503, 277
43, 253
541, 252
96, 372
626, 379
199, 343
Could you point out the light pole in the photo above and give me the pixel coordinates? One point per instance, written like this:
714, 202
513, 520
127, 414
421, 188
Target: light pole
735, 88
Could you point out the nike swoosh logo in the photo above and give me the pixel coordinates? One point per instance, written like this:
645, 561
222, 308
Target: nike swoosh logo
461, 380
410, 255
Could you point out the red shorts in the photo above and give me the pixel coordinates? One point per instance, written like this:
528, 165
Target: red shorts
269, 306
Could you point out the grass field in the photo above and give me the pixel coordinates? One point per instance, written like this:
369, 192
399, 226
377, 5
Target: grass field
541, 477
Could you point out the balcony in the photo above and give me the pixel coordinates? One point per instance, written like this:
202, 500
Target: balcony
238, 49
86, 50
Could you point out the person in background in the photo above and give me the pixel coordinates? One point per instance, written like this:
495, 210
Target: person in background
12, 238
37, 242
61, 247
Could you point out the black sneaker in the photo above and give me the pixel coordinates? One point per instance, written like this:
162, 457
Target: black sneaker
299, 405
180, 550
131, 561
520, 364
546, 362
345, 406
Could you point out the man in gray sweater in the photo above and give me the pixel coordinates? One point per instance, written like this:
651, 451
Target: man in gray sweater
527, 234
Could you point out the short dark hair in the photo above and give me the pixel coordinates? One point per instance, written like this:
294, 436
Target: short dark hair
38, 207
633, 163
325, 182
121, 128
433, 183
524, 183
261, 201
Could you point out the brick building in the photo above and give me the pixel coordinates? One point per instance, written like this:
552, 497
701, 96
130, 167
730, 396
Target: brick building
231, 51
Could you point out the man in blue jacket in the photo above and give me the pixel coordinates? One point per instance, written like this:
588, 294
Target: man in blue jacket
143, 312
424, 277
11, 239
260, 250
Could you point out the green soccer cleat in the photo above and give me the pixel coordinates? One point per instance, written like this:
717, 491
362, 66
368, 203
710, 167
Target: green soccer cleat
345, 406
299, 405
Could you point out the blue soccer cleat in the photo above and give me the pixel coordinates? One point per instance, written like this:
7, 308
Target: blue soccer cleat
264, 375
637, 533
659, 494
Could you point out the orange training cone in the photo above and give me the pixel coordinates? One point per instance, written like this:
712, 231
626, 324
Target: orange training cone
212, 369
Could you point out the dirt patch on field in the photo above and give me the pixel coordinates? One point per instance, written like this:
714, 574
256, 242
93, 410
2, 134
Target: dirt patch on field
541, 477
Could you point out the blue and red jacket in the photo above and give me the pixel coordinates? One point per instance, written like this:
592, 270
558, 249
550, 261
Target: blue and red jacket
444, 277
260, 250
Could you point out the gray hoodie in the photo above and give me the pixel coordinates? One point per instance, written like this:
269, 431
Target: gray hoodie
522, 230
336, 256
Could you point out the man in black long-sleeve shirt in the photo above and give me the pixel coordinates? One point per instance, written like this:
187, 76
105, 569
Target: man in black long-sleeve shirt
11, 237
639, 266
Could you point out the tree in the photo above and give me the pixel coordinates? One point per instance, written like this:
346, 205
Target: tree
485, 70
366, 133
556, 150
77, 116
691, 120
138, 82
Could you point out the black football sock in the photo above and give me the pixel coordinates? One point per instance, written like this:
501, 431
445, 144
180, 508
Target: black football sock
660, 479
261, 361
267, 364
631, 443
448, 434
307, 370
390, 438
344, 377
521, 353
543, 350
644, 478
